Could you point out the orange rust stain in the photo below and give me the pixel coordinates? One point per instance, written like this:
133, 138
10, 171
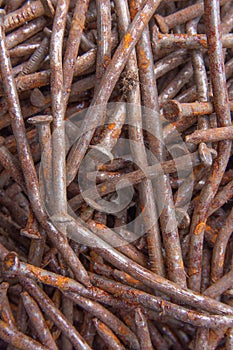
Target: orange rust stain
203, 43
221, 261
200, 228
163, 304
9, 262
133, 13
111, 126
144, 18
208, 228
61, 281
192, 271
213, 239
144, 60
133, 9
100, 226
131, 279
103, 188
107, 60
127, 40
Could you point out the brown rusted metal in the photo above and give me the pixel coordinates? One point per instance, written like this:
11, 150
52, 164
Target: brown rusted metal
75, 274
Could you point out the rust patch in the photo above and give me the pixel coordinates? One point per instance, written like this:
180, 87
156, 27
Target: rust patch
111, 126
144, 60
127, 40
200, 228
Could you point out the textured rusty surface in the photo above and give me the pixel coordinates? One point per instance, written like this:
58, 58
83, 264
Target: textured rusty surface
104, 103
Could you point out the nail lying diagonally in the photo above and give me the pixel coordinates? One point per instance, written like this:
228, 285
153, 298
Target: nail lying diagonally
160, 305
120, 261
108, 82
77, 231
25, 32
124, 333
135, 177
37, 58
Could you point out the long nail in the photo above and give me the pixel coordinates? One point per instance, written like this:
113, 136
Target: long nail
211, 135
189, 41
37, 58
104, 38
109, 80
158, 304
174, 110
25, 32
136, 177
23, 50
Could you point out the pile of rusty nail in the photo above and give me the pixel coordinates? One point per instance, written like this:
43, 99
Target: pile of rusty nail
116, 174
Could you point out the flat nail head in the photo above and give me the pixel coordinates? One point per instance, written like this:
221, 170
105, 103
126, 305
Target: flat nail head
47, 32
11, 262
171, 110
37, 98
162, 24
182, 218
40, 119
30, 233
205, 154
